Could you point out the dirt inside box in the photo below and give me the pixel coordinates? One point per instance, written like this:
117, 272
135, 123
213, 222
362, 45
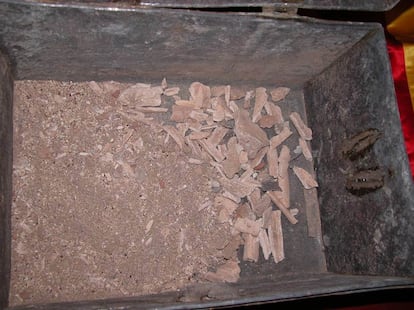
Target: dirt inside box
130, 189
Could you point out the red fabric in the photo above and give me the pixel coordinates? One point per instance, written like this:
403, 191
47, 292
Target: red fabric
396, 53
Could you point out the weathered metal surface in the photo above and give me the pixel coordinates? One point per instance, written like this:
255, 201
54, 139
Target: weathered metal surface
371, 5
371, 233
6, 93
82, 43
207, 296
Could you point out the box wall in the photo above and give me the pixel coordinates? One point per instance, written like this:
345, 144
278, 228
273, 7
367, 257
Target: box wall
255, 291
367, 234
82, 43
6, 141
